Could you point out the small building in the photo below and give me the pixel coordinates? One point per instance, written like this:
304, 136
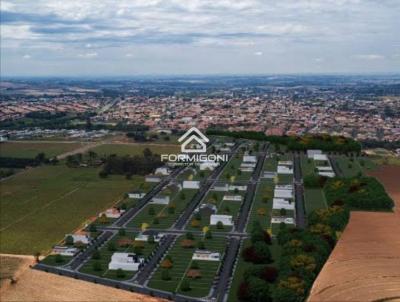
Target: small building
82, 237
281, 203
206, 255
152, 178
250, 158
237, 187
136, 195
285, 170
206, 209
220, 188
233, 197
312, 152
160, 199
125, 261
269, 174
327, 174
287, 220
320, 157
225, 219
65, 250
144, 236
162, 171
283, 193
113, 213
191, 184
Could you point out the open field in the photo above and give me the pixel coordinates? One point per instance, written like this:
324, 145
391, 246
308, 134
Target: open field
314, 199
134, 149
349, 168
33, 285
29, 149
39, 206
182, 261
261, 211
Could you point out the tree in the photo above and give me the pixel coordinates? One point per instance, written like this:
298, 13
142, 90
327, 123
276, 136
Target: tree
220, 225
151, 239
189, 235
152, 212
69, 240
37, 257
194, 265
92, 228
166, 263
269, 274
111, 246
208, 235
96, 255
103, 219
182, 196
282, 212
195, 223
201, 245
121, 232
156, 220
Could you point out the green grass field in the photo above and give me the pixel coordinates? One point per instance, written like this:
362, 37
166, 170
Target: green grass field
261, 211
314, 199
134, 149
31, 149
39, 206
182, 259
347, 167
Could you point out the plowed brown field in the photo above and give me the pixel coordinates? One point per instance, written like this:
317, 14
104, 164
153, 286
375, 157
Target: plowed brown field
38, 286
365, 264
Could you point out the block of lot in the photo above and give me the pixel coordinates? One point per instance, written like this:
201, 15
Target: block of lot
41, 205
181, 264
162, 213
121, 243
261, 209
348, 168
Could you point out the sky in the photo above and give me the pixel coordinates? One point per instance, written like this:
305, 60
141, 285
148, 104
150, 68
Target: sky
156, 37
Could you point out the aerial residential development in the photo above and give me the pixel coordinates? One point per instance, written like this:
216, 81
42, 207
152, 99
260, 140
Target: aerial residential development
199, 151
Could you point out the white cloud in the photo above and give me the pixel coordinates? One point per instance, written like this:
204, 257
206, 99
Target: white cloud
370, 57
88, 55
258, 53
26, 57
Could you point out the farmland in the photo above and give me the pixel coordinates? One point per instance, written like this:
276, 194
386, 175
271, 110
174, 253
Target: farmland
25, 149
39, 206
134, 149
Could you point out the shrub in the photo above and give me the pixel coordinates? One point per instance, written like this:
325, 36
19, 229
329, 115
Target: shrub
120, 273
220, 225
185, 286
165, 275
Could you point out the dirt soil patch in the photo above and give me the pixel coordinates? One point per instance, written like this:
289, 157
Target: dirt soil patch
365, 264
33, 286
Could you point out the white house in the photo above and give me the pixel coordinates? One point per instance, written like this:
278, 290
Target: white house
80, 237
208, 165
287, 220
327, 174
283, 193
285, 170
269, 174
233, 197
160, 199
238, 187
246, 169
220, 188
136, 195
225, 219
145, 237
65, 250
288, 163
312, 152
152, 178
113, 213
191, 184
125, 261
320, 157
249, 159
281, 203
162, 171
206, 255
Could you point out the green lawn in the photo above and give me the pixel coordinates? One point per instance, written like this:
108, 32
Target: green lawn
347, 167
31, 149
314, 199
39, 206
182, 260
134, 149
307, 166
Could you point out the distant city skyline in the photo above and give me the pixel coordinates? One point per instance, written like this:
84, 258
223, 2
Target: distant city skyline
178, 37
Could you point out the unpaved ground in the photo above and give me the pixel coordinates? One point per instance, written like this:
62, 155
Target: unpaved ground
365, 264
38, 286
